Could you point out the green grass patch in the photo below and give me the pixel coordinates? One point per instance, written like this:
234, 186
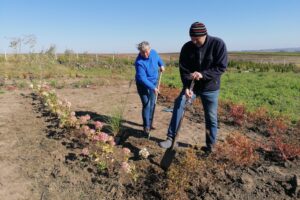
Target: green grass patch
51, 71
278, 92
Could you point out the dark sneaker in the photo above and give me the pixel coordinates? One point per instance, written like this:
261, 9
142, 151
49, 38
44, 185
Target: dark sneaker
147, 132
207, 150
167, 143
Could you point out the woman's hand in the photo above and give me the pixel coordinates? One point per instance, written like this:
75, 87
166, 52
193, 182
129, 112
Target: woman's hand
156, 91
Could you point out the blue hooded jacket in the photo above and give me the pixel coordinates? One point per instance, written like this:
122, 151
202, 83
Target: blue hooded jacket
147, 69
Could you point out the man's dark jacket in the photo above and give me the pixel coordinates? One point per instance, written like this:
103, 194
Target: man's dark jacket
210, 60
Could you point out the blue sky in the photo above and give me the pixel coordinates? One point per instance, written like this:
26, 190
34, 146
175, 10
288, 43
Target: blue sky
116, 26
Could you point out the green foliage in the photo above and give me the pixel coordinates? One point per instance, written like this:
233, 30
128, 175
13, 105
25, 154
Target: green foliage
115, 121
171, 77
22, 84
278, 92
241, 66
85, 83
101, 166
54, 83
45, 65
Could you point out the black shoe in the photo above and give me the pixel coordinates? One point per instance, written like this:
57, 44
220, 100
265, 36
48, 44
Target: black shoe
207, 150
147, 132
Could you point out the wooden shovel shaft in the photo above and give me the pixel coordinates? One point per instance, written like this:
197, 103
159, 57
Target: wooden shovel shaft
158, 84
159, 79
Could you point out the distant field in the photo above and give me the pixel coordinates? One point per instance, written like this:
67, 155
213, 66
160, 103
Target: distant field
279, 91
260, 57
263, 57
272, 57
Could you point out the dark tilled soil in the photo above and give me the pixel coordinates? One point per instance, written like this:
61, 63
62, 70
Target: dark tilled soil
40, 161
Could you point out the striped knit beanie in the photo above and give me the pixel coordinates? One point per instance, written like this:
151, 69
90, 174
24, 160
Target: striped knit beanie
197, 30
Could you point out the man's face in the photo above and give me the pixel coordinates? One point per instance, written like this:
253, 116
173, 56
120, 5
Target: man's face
198, 41
145, 53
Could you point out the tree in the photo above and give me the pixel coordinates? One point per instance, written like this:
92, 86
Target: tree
51, 50
15, 44
30, 41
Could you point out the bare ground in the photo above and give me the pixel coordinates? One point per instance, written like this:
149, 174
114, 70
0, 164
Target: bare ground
37, 162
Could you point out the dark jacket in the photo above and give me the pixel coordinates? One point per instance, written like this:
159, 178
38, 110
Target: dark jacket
210, 60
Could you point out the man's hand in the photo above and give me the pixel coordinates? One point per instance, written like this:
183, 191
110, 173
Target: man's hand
162, 69
156, 91
188, 93
196, 75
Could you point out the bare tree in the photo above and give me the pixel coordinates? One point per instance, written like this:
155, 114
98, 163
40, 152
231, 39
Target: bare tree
15, 44
51, 50
30, 41
69, 51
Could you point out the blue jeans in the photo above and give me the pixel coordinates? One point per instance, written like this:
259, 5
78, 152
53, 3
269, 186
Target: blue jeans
148, 99
210, 106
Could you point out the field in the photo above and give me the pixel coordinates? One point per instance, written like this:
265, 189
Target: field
71, 128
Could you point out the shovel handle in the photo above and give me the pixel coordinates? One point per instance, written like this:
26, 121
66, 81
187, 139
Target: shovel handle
181, 119
158, 84
192, 84
191, 88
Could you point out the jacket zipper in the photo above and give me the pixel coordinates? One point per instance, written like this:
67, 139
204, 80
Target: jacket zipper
200, 58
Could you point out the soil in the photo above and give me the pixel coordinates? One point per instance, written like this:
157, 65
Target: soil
38, 160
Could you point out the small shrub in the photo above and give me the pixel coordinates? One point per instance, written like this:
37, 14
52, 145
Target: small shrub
180, 174
277, 126
237, 113
286, 151
115, 121
237, 150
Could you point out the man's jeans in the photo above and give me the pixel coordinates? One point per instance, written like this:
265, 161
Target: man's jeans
148, 99
210, 105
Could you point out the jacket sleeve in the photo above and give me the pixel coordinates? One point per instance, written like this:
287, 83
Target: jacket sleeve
219, 63
185, 73
141, 76
160, 61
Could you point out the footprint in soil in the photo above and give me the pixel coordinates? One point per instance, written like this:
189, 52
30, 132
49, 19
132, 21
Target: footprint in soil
70, 157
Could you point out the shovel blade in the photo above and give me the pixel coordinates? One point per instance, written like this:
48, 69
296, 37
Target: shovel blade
167, 159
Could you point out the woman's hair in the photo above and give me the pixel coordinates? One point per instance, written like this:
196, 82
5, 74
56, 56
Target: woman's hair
143, 46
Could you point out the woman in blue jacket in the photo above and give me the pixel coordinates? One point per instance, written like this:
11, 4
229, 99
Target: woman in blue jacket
147, 65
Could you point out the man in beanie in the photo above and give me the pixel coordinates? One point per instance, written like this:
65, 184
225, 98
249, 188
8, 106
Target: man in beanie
147, 65
204, 60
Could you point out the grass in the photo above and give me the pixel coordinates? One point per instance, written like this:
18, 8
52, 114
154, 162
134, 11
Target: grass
278, 92
265, 53
47, 68
115, 121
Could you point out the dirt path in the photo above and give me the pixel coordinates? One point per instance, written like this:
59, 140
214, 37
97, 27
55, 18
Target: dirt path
33, 165
13, 181
107, 99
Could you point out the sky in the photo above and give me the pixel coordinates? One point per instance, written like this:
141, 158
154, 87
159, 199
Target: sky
117, 26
